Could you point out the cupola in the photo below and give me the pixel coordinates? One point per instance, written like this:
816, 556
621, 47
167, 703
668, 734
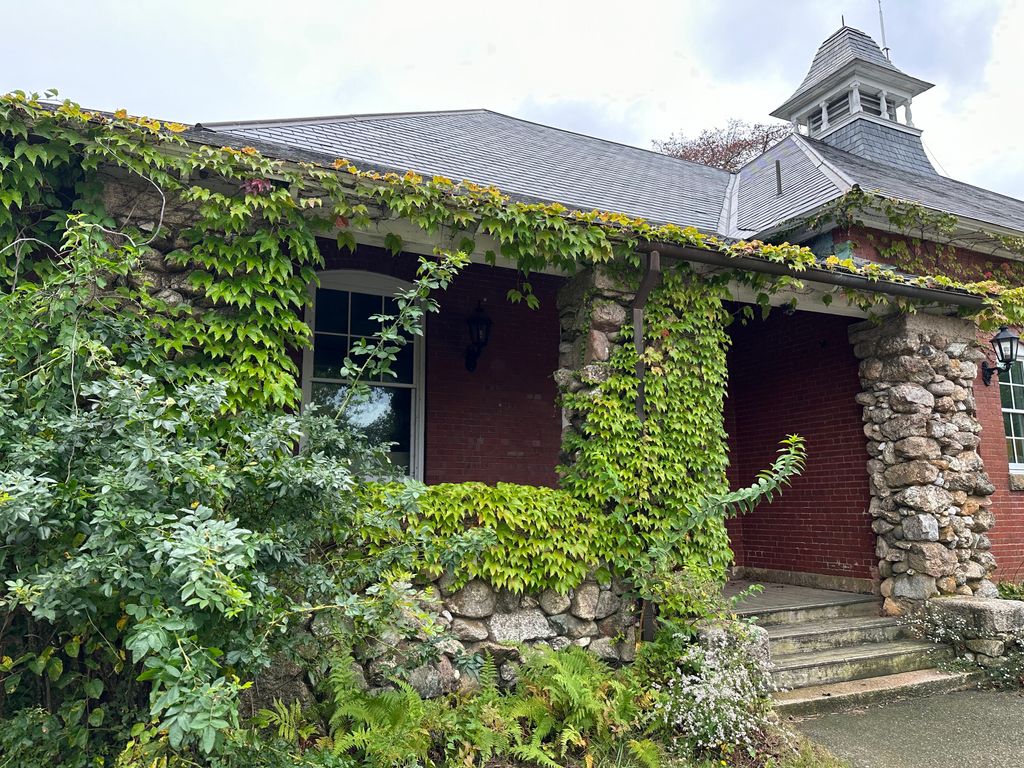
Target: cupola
853, 98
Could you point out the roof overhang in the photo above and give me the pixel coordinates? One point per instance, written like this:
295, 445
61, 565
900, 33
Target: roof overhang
898, 82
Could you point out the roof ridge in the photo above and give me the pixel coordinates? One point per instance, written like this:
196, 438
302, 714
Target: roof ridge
828, 168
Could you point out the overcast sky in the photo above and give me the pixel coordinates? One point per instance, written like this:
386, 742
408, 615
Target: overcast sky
628, 71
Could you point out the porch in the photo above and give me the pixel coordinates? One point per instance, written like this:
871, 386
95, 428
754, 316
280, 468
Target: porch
836, 527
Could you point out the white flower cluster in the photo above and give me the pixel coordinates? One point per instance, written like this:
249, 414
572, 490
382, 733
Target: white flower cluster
723, 703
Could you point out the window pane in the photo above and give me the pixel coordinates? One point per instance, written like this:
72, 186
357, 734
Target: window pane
1007, 426
331, 310
328, 354
1018, 450
1009, 451
363, 307
403, 367
1005, 394
1017, 424
384, 415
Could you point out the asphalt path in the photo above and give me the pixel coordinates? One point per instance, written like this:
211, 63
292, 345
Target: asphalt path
967, 729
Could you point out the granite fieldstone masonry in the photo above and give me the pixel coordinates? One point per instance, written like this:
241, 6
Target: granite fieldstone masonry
929, 490
986, 629
593, 307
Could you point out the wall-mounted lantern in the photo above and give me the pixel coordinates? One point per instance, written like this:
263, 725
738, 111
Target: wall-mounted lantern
1005, 343
479, 334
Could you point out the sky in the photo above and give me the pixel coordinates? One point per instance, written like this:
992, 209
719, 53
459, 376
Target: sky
631, 72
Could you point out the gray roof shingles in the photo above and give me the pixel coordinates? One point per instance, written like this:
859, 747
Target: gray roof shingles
838, 51
517, 156
928, 189
539, 162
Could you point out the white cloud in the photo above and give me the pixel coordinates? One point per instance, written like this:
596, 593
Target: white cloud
628, 72
979, 139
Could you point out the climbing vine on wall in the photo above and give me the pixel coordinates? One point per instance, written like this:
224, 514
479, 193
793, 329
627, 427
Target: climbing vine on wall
651, 475
246, 228
914, 239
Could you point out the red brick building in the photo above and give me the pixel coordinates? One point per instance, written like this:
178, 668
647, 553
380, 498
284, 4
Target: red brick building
817, 370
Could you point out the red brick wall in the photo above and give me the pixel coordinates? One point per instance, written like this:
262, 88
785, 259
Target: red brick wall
499, 423
1008, 535
798, 374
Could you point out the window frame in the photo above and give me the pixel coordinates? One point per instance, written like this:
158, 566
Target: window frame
1015, 467
376, 284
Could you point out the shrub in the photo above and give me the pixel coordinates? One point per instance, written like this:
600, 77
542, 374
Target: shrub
542, 537
719, 697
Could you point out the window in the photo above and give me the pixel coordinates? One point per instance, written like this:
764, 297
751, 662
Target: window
340, 314
1011, 391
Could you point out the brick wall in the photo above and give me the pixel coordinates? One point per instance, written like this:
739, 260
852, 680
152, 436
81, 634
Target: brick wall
798, 374
499, 423
1008, 505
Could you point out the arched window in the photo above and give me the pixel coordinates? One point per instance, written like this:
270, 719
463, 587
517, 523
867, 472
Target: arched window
339, 314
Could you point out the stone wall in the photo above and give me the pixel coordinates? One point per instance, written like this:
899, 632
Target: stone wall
983, 631
594, 616
496, 622
929, 490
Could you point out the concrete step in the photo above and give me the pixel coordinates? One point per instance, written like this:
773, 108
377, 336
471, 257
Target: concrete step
832, 633
801, 669
842, 697
847, 606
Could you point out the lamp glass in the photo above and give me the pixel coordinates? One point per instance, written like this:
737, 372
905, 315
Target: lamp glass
1006, 343
479, 328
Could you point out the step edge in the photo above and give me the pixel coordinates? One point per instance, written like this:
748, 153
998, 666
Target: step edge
813, 692
808, 606
811, 628
789, 661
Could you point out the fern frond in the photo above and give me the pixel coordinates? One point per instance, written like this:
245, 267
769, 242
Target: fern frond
645, 752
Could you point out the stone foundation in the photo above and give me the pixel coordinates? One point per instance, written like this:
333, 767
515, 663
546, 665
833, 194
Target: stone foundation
496, 622
930, 493
594, 616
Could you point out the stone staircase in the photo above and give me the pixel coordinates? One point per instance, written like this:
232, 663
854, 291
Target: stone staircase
832, 651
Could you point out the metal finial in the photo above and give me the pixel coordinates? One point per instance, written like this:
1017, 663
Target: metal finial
881, 23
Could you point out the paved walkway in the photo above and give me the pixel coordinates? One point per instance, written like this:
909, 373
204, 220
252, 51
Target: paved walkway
969, 729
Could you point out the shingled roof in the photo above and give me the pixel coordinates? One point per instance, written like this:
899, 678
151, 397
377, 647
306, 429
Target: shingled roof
521, 158
539, 162
841, 49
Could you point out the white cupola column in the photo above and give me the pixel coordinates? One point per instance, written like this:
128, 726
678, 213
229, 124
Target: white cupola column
824, 115
883, 105
907, 113
855, 98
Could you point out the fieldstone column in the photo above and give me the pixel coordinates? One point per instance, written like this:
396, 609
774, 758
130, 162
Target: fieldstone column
593, 307
929, 491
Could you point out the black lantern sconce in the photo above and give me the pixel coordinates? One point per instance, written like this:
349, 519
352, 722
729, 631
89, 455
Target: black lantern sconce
479, 334
1005, 343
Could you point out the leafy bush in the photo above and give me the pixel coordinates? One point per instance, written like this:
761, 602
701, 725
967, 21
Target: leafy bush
159, 552
542, 537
